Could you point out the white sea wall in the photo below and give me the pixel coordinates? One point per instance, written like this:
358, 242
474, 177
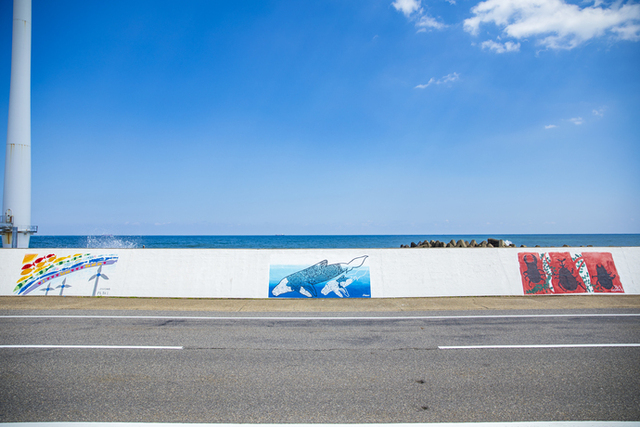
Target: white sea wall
246, 273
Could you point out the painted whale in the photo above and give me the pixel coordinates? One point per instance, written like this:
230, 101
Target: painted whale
303, 281
338, 286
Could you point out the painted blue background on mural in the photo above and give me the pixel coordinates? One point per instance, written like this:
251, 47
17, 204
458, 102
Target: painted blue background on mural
353, 284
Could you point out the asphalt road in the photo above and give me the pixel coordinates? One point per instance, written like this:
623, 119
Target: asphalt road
312, 367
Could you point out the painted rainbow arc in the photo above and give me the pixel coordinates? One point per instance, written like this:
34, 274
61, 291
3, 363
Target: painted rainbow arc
52, 267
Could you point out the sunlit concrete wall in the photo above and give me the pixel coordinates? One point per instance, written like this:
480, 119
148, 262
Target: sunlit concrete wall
247, 273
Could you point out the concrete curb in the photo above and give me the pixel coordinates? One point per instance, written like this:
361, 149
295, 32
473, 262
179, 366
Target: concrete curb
547, 302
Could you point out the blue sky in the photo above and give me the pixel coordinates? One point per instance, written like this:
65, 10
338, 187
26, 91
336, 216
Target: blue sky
332, 117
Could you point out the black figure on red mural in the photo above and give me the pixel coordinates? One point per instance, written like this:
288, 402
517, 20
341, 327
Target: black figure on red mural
533, 274
566, 279
603, 277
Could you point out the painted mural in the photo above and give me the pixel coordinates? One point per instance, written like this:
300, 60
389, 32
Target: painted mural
563, 273
79, 274
322, 280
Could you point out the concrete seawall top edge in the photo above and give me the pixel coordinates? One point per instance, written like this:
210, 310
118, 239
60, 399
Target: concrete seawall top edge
542, 302
529, 248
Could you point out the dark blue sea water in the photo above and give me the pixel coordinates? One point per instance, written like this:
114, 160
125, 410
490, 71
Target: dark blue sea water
292, 242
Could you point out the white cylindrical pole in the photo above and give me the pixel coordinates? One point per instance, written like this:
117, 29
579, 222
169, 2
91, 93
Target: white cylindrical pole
16, 201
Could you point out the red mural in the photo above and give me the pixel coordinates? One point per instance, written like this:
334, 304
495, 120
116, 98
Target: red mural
565, 278
562, 273
534, 277
604, 276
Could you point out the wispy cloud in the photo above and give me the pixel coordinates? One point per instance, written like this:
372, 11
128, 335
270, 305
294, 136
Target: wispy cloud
550, 126
556, 24
425, 22
414, 11
432, 80
449, 78
599, 112
501, 47
576, 120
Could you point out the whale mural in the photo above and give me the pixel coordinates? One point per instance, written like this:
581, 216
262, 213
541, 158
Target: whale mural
338, 280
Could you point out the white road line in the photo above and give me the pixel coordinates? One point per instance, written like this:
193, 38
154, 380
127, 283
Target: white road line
118, 347
466, 424
440, 347
297, 318
473, 347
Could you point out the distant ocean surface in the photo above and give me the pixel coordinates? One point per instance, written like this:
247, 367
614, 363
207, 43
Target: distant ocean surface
334, 242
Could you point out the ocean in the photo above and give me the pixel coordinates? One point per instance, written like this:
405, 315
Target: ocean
334, 242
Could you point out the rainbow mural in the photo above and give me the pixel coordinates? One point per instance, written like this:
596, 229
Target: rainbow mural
43, 270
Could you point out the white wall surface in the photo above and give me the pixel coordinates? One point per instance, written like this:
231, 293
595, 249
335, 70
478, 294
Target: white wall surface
244, 273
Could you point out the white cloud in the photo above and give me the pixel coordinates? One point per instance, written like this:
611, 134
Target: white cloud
426, 21
449, 78
577, 120
431, 81
407, 6
413, 10
599, 112
556, 24
500, 47
550, 126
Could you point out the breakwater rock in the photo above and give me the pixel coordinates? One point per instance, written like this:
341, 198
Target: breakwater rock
489, 243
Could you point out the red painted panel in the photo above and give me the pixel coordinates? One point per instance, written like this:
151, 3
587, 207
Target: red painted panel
559, 273
602, 269
566, 279
533, 276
